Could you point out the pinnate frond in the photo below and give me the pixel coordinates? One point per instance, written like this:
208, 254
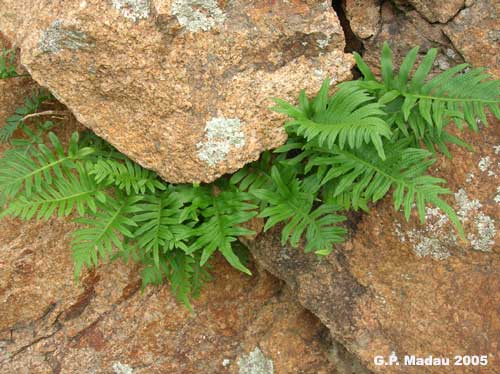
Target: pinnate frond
348, 118
34, 171
102, 230
289, 202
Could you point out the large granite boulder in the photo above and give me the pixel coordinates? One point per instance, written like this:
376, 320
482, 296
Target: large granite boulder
181, 86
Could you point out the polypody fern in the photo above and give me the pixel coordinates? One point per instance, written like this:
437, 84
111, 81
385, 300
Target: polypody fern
345, 151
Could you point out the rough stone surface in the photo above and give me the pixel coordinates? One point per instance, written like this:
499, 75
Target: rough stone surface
105, 324
434, 11
363, 16
476, 35
151, 76
405, 29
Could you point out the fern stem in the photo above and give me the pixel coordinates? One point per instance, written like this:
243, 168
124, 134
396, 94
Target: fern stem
447, 99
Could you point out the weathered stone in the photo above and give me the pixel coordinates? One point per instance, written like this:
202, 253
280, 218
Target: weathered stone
408, 288
363, 16
181, 86
475, 34
433, 11
105, 324
404, 31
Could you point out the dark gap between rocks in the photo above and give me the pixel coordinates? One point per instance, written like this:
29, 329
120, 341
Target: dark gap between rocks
352, 42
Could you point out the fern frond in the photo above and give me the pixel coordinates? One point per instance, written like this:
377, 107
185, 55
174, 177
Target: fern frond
366, 177
103, 229
350, 117
290, 202
222, 214
458, 94
34, 171
66, 194
126, 176
159, 225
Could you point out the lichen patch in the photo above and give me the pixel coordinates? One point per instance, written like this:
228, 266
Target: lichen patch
497, 196
133, 10
221, 135
198, 15
120, 368
255, 363
58, 37
436, 239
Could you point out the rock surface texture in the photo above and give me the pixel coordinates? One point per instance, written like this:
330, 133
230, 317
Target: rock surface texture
402, 288
106, 324
181, 86
406, 288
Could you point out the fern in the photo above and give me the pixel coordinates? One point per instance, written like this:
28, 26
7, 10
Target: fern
17, 120
221, 215
126, 176
67, 194
160, 227
350, 117
290, 201
367, 178
425, 108
346, 150
36, 170
102, 230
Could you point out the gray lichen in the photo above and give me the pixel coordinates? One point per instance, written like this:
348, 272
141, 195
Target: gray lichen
484, 240
58, 37
120, 368
196, 15
496, 199
485, 165
470, 210
255, 363
133, 10
221, 134
435, 239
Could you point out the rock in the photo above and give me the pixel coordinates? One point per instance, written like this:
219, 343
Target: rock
13, 90
105, 324
405, 288
405, 30
474, 33
180, 86
363, 16
434, 12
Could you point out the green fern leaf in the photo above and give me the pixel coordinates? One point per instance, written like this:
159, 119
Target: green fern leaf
34, 171
126, 176
289, 202
348, 118
365, 176
159, 224
65, 195
222, 216
103, 230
